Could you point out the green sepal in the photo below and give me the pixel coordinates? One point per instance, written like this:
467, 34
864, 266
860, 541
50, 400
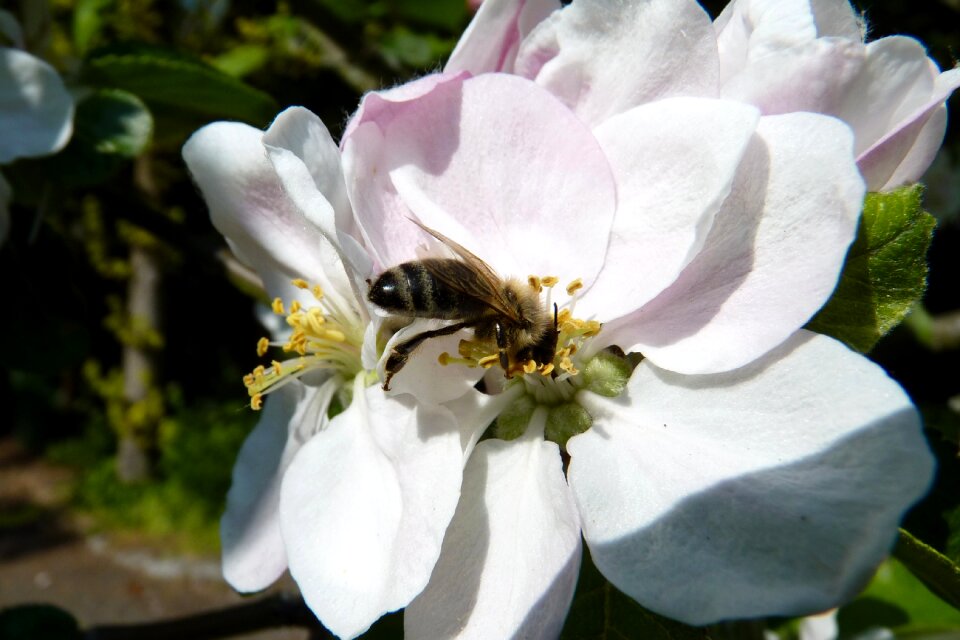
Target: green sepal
931, 567
607, 374
885, 272
514, 419
565, 421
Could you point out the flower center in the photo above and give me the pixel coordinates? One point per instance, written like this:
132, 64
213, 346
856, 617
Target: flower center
324, 336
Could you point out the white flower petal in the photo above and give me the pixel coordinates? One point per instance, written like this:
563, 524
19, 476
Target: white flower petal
772, 257
775, 489
364, 506
301, 132
36, 110
511, 556
602, 58
491, 40
921, 155
674, 162
253, 551
836, 18
249, 206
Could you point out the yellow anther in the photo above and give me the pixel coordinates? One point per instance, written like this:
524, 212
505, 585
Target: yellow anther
547, 370
335, 335
535, 283
294, 306
567, 365
256, 401
258, 371
248, 380
294, 319
444, 358
574, 286
488, 361
529, 366
277, 368
299, 283
563, 316
278, 307
549, 281
317, 292
262, 345
315, 320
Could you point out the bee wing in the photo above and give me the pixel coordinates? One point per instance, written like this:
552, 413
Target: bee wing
475, 279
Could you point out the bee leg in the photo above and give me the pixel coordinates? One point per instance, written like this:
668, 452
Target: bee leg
400, 352
502, 348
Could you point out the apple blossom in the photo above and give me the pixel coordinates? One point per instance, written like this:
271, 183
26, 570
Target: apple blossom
744, 467
34, 104
603, 57
354, 504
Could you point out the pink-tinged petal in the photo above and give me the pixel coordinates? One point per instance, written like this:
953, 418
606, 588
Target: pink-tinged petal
921, 155
380, 213
249, 206
772, 257
364, 505
775, 489
674, 162
896, 81
36, 110
510, 173
491, 41
603, 58
511, 556
253, 551
837, 18
812, 76
905, 153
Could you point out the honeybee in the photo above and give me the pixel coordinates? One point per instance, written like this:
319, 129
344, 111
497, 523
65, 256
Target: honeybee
466, 289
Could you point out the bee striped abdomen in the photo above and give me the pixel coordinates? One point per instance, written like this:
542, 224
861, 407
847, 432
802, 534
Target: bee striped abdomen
411, 289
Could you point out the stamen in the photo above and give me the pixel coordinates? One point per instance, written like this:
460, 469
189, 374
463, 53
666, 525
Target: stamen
574, 286
529, 366
535, 283
547, 369
549, 281
488, 361
325, 336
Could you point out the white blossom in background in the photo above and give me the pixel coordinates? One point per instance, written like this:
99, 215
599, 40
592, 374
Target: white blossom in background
36, 110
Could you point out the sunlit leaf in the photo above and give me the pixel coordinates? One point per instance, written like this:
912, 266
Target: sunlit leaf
885, 272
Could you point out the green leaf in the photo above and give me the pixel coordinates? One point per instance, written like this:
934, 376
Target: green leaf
242, 60
896, 600
600, 612
115, 122
31, 621
88, 22
885, 272
931, 567
110, 127
164, 78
